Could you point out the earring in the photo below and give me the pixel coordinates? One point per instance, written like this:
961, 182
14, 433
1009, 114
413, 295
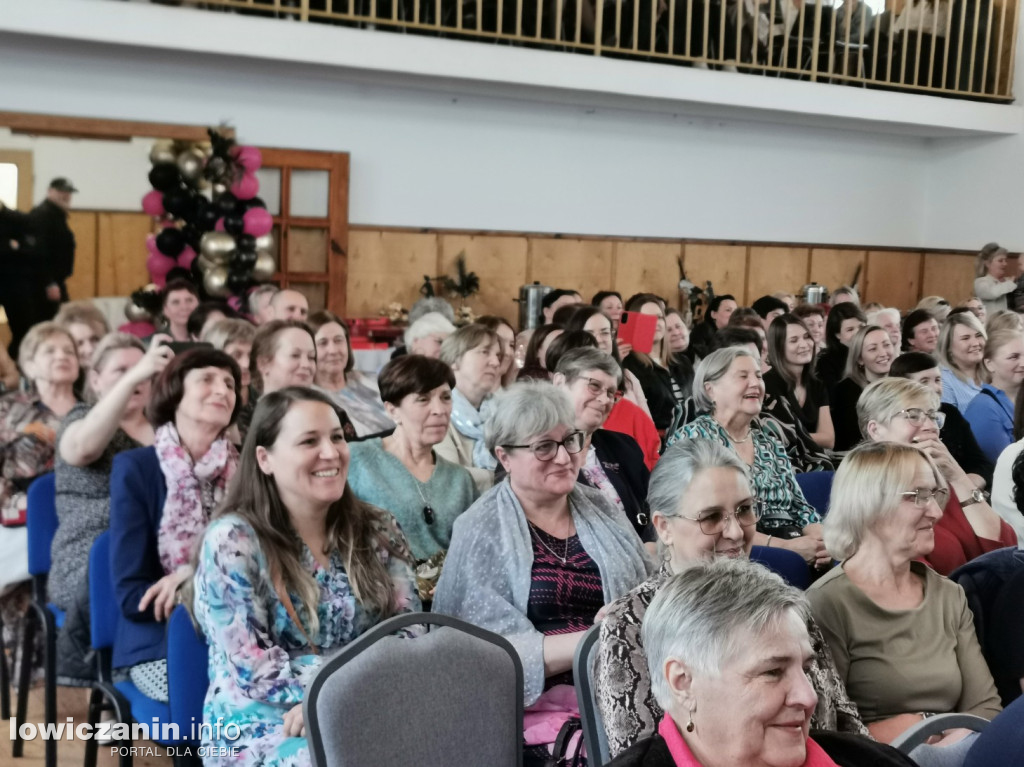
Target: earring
690, 726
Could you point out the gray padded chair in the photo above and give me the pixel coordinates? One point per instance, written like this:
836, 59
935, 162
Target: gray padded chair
594, 735
451, 696
914, 736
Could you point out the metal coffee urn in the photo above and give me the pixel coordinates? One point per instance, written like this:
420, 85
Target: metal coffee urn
529, 300
813, 293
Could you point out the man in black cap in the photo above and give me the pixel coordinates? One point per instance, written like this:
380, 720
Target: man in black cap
52, 245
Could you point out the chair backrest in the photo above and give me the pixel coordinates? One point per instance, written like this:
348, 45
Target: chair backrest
188, 675
41, 521
1002, 742
594, 735
788, 564
104, 612
817, 488
982, 579
451, 696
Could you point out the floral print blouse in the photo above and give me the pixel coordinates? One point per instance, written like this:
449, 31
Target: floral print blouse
260, 662
28, 439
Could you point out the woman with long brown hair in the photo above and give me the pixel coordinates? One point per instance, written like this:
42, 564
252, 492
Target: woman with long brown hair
292, 567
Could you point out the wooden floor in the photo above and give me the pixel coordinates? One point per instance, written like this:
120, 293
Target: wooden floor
70, 702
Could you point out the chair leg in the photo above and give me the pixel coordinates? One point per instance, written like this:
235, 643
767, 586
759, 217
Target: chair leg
92, 745
5, 677
28, 646
49, 627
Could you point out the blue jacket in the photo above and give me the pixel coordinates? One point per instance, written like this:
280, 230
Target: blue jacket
990, 415
137, 495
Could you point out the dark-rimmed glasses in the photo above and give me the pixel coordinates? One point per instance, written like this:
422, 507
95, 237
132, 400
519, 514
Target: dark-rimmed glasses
714, 522
922, 495
546, 449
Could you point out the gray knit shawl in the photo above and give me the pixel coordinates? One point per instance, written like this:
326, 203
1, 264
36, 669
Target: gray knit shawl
486, 575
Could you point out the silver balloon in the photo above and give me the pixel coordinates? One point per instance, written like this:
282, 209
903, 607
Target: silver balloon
219, 189
205, 264
190, 163
136, 313
266, 242
265, 266
216, 282
162, 151
217, 247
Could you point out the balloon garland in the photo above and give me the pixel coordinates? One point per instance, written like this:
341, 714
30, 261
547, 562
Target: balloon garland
214, 225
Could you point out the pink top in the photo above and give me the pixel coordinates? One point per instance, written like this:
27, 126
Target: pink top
683, 757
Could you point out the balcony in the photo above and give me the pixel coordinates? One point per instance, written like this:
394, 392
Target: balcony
962, 49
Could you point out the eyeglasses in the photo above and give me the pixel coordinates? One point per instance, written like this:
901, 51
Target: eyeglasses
594, 387
547, 449
921, 496
917, 416
714, 522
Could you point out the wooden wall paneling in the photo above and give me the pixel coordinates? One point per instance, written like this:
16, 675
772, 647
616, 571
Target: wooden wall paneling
83, 282
774, 269
833, 267
950, 275
647, 267
386, 267
573, 264
121, 253
893, 278
724, 265
499, 262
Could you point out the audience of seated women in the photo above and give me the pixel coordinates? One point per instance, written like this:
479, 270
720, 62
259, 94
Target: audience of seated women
355, 392
401, 473
955, 433
920, 332
792, 392
703, 508
206, 315
728, 391
293, 567
111, 421
960, 351
904, 411
663, 393
473, 353
613, 463
902, 636
506, 334
716, 317
178, 300
991, 413
536, 557
28, 438
844, 320
87, 326
993, 281
234, 337
161, 499
870, 357
535, 357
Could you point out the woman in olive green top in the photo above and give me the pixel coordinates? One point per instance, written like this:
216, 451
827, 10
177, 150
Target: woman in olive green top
901, 635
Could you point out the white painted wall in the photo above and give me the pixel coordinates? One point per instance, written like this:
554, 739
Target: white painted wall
439, 154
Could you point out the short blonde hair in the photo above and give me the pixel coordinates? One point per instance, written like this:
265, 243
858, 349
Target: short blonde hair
83, 313
1004, 319
229, 331
35, 336
967, 319
464, 339
868, 486
883, 399
986, 254
937, 306
111, 342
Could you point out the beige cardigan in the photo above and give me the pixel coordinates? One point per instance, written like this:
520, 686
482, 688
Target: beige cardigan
458, 448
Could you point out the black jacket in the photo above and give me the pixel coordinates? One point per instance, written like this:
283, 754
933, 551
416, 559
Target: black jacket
656, 382
958, 438
51, 241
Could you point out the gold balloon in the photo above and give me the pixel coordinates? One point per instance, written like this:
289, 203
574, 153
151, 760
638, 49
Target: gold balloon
135, 313
217, 247
216, 282
265, 242
218, 189
191, 163
265, 266
205, 264
162, 151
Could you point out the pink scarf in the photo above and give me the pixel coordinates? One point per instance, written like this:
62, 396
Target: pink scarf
683, 757
187, 509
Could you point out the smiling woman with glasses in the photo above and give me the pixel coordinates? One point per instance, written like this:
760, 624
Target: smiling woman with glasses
704, 508
902, 635
905, 411
537, 556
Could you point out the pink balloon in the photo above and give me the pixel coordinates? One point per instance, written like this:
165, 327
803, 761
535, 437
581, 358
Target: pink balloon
153, 203
159, 265
249, 157
187, 257
235, 303
219, 226
151, 245
258, 222
246, 187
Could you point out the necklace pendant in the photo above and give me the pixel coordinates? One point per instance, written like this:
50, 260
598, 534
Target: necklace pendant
428, 514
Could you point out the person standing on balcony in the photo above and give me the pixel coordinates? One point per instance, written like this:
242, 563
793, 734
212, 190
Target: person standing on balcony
53, 245
992, 283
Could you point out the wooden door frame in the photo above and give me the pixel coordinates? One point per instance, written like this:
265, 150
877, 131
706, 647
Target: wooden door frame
22, 158
111, 130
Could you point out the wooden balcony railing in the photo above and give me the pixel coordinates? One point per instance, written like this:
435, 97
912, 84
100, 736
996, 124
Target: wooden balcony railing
956, 48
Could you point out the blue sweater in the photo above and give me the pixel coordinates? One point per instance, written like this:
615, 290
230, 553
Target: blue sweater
990, 415
137, 495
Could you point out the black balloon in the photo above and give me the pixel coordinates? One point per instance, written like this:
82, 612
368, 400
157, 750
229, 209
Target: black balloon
206, 216
171, 242
238, 281
234, 224
165, 177
192, 235
226, 203
246, 243
246, 258
255, 202
180, 203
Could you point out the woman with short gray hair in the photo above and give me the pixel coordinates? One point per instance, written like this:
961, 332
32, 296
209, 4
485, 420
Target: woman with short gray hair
729, 391
614, 462
728, 658
703, 508
536, 557
425, 335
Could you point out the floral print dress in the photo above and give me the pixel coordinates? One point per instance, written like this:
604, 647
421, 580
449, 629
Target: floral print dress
260, 661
